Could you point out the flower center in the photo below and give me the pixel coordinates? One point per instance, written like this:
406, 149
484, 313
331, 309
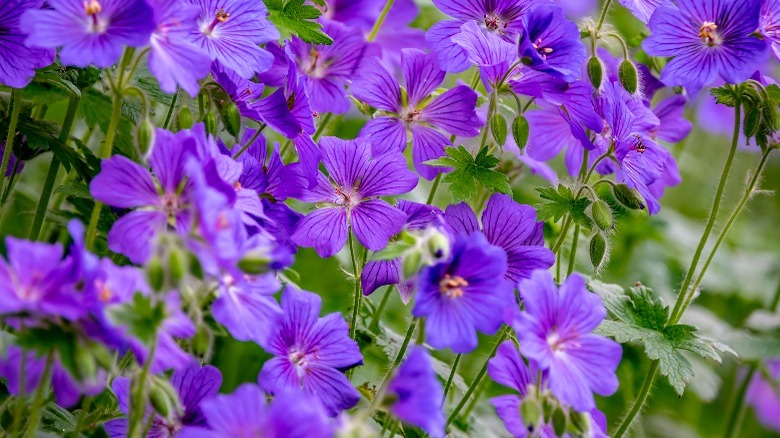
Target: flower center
494, 23
541, 50
558, 343
170, 203
707, 33
315, 69
92, 7
347, 199
452, 286
297, 357
220, 17
103, 291
411, 115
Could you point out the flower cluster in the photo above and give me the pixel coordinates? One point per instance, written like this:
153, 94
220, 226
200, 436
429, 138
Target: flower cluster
320, 129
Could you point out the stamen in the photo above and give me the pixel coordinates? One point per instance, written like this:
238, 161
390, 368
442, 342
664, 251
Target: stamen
452, 287
707, 32
543, 51
92, 7
222, 16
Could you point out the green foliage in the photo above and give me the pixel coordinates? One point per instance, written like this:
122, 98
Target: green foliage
638, 316
558, 202
293, 17
141, 316
471, 172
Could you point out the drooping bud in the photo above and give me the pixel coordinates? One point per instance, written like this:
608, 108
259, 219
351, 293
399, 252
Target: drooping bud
177, 264
559, 421
195, 268
628, 197
531, 412
771, 117
598, 249
595, 71
520, 131
154, 274
498, 129
602, 214
210, 121
628, 75
231, 118
438, 246
412, 262
145, 136
159, 401
255, 263
752, 119
184, 121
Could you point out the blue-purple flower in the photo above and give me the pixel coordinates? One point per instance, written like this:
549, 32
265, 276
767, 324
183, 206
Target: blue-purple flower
770, 25
247, 413
415, 113
706, 39
763, 396
311, 353
231, 31
357, 178
417, 395
192, 384
550, 43
89, 32
508, 368
465, 294
643, 9
18, 62
555, 334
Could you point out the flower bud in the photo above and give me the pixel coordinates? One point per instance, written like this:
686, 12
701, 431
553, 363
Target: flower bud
602, 214
752, 119
628, 76
498, 129
627, 197
184, 121
598, 249
771, 117
595, 71
231, 119
531, 412
412, 262
520, 130
195, 268
84, 361
177, 264
210, 121
144, 136
103, 356
559, 421
159, 400
154, 274
438, 246
254, 263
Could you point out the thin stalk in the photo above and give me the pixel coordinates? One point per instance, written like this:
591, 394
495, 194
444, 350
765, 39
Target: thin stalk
375, 318
137, 394
451, 377
11, 181
398, 358
321, 127
16, 108
54, 167
603, 15
475, 397
573, 253
477, 379
380, 20
35, 414
639, 403
562, 237
358, 293
20, 399
251, 140
170, 109
682, 297
722, 235
434, 188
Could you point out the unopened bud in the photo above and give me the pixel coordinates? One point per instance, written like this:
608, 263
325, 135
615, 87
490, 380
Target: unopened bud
184, 121
595, 71
628, 197
159, 400
498, 129
598, 248
144, 136
231, 118
154, 274
254, 263
628, 76
210, 122
752, 119
531, 412
559, 421
520, 130
84, 362
412, 262
438, 246
177, 264
602, 214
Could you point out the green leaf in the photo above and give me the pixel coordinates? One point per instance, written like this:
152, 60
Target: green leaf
639, 316
558, 202
141, 316
725, 95
293, 17
471, 172
392, 251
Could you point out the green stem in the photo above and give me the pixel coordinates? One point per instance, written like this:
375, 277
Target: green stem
321, 127
385, 298
251, 140
380, 20
398, 358
475, 397
54, 167
737, 210
20, 399
358, 292
682, 296
576, 238
451, 377
137, 395
639, 403
603, 15
562, 237
477, 379
169, 115
15, 108
35, 414
434, 188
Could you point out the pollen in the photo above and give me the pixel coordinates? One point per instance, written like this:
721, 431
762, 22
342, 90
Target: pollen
452, 286
222, 16
103, 291
92, 7
707, 32
543, 51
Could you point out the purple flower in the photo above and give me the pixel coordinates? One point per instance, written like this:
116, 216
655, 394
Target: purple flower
415, 114
706, 39
89, 32
507, 368
357, 179
18, 62
672, 126
555, 334
231, 32
418, 395
36, 280
311, 353
326, 69
247, 413
550, 43
502, 17
192, 384
395, 35
510, 226
174, 59
465, 294
643, 9
764, 398
770, 25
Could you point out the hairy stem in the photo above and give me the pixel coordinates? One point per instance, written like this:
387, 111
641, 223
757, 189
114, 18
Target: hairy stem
573, 253
358, 293
451, 377
15, 109
380, 20
375, 318
603, 15
170, 109
35, 413
640, 401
